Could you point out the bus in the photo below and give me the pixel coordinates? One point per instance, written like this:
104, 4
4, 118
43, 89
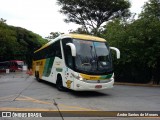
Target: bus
12, 65
75, 61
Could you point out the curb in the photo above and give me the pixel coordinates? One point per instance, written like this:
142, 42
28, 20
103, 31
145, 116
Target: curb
135, 84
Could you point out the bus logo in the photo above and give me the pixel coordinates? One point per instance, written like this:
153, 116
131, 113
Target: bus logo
6, 114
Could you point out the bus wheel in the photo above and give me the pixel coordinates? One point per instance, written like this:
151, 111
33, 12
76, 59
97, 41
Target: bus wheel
37, 77
59, 84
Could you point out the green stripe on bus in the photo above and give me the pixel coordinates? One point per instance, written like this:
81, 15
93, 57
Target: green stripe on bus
48, 66
106, 76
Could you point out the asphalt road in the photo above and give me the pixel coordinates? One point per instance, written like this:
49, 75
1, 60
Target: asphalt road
21, 92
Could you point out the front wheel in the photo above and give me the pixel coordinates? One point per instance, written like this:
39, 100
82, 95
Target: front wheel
59, 84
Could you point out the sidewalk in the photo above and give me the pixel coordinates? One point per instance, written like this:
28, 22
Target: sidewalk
17, 74
137, 84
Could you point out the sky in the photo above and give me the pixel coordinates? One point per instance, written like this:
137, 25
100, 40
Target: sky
42, 16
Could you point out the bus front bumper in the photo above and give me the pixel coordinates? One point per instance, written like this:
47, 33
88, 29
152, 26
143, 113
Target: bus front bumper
84, 86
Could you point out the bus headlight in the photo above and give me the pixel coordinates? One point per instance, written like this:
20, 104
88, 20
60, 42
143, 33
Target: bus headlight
80, 78
77, 76
112, 76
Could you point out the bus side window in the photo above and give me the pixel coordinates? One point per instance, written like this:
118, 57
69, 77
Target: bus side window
57, 49
67, 52
69, 59
50, 51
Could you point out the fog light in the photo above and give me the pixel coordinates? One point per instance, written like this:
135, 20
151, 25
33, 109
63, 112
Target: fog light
78, 85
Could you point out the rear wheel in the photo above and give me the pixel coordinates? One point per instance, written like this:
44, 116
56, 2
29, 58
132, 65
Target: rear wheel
37, 76
59, 83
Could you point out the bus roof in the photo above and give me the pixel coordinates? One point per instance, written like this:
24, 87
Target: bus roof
84, 37
77, 36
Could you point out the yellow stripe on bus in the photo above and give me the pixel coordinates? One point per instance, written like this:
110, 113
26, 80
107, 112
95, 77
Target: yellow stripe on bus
85, 37
78, 36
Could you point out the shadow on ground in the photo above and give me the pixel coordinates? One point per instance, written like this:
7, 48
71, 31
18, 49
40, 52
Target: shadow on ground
78, 93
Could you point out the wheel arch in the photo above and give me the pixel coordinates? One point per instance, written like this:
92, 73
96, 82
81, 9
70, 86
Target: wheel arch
59, 75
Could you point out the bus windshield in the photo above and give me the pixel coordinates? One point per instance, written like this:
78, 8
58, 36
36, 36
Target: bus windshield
92, 57
20, 64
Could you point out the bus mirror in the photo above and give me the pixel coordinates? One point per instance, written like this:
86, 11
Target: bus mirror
117, 51
73, 48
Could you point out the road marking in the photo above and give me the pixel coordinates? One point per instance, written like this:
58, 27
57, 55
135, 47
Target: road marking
32, 109
24, 109
29, 99
9, 97
77, 107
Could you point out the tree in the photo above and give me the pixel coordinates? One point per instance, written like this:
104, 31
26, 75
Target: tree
2, 20
139, 43
80, 30
54, 35
92, 14
18, 43
151, 14
151, 9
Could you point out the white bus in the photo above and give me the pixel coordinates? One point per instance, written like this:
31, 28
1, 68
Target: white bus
75, 61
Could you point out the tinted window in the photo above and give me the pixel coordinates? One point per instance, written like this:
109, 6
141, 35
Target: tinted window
67, 52
54, 50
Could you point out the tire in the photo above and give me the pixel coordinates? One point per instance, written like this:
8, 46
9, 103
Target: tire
59, 84
37, 76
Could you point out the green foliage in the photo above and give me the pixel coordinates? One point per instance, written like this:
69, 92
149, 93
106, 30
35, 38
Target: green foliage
2, 20
93, 13
79, 31
151, 9
139, 43
18, 43
54, 35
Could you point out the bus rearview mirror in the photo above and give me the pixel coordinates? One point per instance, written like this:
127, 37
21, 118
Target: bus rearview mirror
117, 51
73, 49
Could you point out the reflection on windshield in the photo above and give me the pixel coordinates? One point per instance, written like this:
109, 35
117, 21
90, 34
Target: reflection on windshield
20, 64
92, 57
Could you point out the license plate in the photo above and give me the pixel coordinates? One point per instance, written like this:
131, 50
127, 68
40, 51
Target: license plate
98, 86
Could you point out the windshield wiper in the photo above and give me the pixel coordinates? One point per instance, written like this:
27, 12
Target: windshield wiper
93, 59
98, 62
